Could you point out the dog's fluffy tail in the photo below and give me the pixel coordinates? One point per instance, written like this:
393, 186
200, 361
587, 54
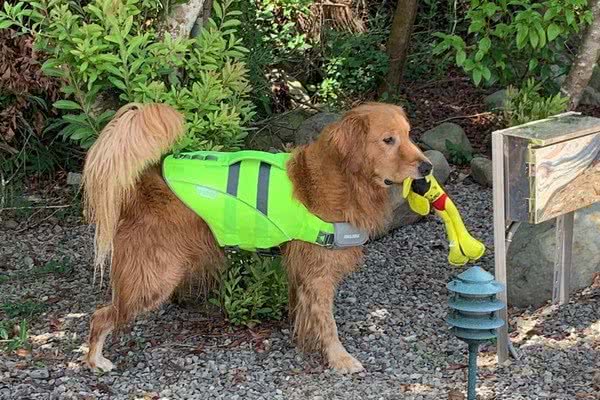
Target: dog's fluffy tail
135, 139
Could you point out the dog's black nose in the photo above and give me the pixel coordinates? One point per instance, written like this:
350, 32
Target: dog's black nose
425, 168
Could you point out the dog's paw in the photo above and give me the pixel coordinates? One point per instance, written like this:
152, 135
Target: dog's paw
345, 364
101, 364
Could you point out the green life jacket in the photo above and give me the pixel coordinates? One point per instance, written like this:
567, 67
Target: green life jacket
246, 199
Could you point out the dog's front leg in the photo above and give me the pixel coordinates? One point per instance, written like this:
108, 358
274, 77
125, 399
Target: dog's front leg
313, 277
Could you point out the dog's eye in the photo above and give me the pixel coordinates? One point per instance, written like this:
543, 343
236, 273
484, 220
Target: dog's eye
389, 140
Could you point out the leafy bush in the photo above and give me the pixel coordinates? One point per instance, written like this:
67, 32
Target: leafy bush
508, 41
528, 104
25, 146
111, 49
277, 22
353, 64
252, 289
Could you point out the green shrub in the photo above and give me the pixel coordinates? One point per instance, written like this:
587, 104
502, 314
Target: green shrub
353, 64
508, 41
252, 289
113, 49
276, 20
528, 104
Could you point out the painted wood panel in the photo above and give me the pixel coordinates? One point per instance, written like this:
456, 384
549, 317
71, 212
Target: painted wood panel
564, 177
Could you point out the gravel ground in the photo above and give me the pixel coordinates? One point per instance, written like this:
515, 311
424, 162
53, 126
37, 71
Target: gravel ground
390, 316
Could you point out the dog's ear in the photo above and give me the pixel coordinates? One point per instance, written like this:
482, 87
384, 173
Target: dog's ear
348, 138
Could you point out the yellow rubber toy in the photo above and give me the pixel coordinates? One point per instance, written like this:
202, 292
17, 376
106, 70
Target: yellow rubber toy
421, 194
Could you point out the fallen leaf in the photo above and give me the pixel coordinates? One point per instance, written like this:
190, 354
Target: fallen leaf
23, 353
55, 325
596, 280
455, 394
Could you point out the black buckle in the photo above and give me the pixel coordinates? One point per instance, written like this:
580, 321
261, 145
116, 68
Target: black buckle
272, 252
325, 239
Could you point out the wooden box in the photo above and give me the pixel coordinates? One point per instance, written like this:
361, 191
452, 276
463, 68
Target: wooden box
552, 167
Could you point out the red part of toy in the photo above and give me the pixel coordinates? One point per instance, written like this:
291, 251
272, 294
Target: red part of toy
440, 203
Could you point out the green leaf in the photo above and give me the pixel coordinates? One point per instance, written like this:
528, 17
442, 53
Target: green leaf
476, 26
532, 64
109, 58
218, 10
553, 31
549, 14
468, 65
113, 39
461, 56
485, 44
231, 22
118, 83
5, 24
128, 24
542, 35
570, 17
487, 74
81, 132
66, 105
441, 47
477, 75
479, 56
522, 33
78, 119
534, 39
113, 70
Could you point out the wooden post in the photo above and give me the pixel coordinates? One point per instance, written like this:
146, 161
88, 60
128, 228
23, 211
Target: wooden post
563, 260
500, 240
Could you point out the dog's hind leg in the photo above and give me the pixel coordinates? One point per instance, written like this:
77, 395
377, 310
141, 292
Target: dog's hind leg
314, 274
102, 324
158, 242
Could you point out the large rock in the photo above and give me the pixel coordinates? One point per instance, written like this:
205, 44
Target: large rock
280, 130
435, 139
441, 168
591, 94
312, 127
495, 101
590, 97
595, 79
481, 171
530, 262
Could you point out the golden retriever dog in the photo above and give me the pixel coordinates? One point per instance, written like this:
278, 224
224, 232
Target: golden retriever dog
153, 241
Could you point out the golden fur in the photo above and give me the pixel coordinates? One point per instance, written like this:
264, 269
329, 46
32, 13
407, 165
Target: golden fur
154, 241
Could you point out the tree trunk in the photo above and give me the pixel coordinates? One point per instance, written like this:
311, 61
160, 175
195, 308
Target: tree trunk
583, 66
182, 18
397, 45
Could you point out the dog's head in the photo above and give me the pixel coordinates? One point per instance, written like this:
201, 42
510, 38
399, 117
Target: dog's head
373, 140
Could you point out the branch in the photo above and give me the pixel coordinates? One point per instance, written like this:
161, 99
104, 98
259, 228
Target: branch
465, 117
583, 66
182, 18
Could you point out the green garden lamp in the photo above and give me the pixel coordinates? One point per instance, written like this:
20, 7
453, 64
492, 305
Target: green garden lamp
473, 315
